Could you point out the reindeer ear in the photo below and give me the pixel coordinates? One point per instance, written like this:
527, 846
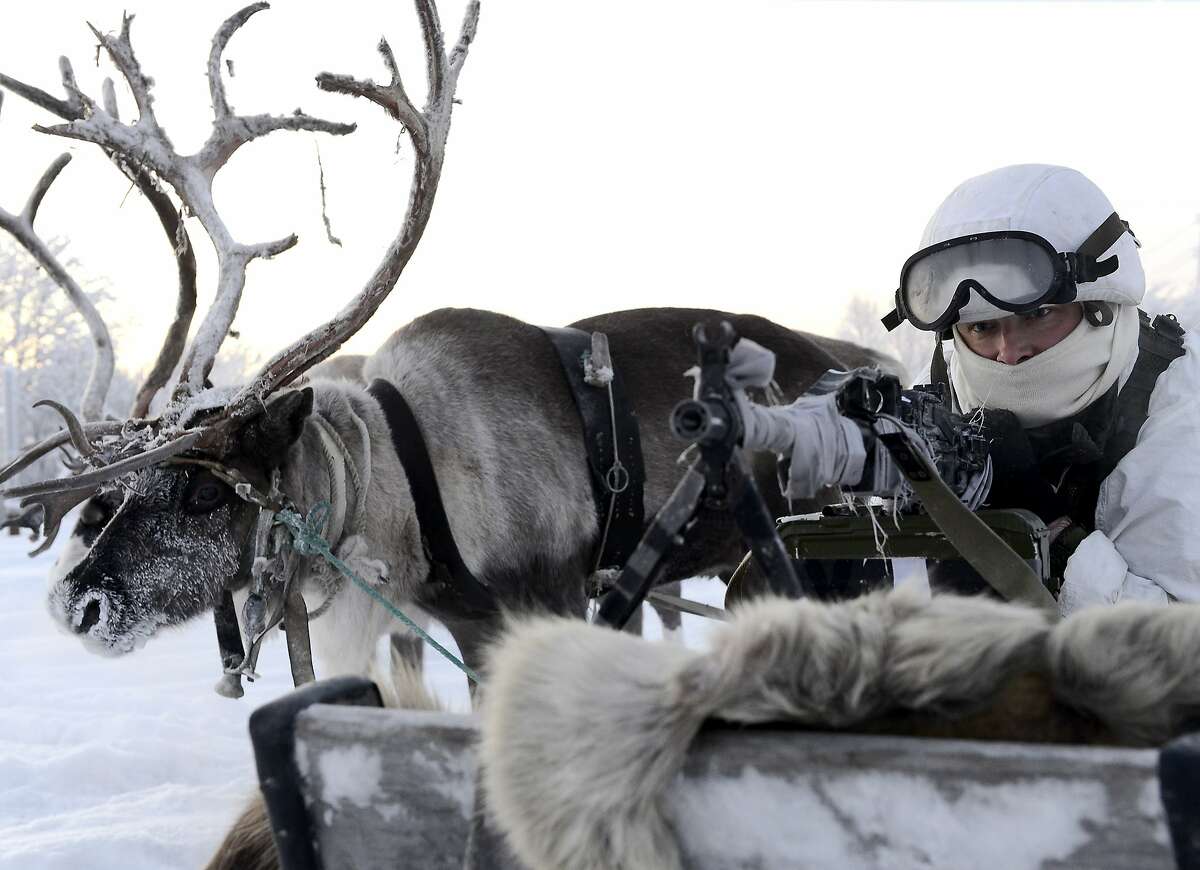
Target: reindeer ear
266, 438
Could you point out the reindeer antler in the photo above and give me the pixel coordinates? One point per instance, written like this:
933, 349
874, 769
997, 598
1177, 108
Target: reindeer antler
428, 130
73, 108
145, 144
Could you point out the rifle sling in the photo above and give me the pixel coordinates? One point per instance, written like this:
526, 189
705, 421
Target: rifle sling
984, 550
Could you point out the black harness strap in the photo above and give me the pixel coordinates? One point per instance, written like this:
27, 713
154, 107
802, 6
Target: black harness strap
624, 495
1159, 343
460, 592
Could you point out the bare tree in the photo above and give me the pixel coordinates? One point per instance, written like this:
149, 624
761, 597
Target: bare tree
45, 339
861, 324
20, 226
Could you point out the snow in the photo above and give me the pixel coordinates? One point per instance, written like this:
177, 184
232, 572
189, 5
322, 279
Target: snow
131, 762
134, 762
892, 820
352, 773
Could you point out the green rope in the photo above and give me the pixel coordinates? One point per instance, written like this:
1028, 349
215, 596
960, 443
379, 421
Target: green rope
307, 541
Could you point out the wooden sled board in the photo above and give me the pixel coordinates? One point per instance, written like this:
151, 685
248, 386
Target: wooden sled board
388, 788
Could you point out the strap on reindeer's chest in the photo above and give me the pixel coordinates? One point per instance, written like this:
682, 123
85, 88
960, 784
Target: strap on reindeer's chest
461, 591
611, 439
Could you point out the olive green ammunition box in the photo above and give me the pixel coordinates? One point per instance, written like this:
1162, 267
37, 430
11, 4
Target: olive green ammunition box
915, 535
879, 536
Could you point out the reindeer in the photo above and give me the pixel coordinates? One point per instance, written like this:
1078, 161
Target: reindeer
487, 391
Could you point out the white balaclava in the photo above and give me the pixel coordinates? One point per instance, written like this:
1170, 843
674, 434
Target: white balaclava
1063, 207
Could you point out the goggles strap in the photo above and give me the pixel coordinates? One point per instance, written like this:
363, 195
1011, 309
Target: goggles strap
1085, 263
892, 319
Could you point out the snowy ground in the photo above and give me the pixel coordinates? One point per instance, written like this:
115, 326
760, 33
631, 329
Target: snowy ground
134, 762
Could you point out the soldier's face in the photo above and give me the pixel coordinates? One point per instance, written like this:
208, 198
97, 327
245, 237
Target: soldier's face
1012, 340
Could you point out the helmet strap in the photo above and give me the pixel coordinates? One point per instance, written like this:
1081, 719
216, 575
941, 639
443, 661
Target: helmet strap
1086, 265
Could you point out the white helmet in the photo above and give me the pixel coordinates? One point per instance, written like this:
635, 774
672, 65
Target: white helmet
1059, 204
1006, 237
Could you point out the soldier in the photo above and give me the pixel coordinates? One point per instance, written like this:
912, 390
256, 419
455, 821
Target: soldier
1033, 279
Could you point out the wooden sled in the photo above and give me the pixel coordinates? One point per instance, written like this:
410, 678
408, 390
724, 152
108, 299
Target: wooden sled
348, 784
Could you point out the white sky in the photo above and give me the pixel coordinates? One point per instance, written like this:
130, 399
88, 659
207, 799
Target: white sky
758, 155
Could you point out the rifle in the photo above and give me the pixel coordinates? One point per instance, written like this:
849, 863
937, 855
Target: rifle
921, 458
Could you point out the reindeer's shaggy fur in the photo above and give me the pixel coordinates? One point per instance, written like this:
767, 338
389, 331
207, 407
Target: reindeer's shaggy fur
584, 728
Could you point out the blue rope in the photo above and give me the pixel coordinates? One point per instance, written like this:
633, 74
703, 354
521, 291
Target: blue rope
307, 541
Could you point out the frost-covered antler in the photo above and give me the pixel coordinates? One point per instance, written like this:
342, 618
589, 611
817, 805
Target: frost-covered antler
145, 144
428, 129
73, 108
144, 442
20, 226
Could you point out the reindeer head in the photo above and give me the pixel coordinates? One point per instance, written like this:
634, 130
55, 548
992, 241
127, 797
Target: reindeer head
180, 536
181, 533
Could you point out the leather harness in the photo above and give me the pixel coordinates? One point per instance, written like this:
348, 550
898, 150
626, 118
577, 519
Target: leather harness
622, 494
457, 589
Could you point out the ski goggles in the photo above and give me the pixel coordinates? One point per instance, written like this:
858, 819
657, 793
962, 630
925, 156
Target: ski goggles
1009, 270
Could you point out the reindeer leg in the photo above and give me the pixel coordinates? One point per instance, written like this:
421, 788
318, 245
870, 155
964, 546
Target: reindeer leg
472, 637
671, 619
409, 647
635, 624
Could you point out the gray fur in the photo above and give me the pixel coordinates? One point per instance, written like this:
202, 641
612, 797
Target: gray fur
93, 517
565, 799
343, 367
583, 728
98, 510
1134, 665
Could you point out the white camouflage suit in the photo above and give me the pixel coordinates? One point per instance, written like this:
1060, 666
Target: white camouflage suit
1146, 546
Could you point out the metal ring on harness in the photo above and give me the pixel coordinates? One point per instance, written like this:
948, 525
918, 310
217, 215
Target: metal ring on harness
617, 478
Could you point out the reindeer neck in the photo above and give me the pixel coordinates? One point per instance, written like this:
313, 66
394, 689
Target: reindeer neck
383, 518
331, 462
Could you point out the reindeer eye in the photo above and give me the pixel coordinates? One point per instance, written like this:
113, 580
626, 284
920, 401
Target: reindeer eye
205, 494
93, 514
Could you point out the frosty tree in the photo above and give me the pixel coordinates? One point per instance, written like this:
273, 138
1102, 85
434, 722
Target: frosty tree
44, 338
861, 324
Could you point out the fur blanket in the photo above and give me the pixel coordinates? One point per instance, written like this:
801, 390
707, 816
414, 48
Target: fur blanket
584, 728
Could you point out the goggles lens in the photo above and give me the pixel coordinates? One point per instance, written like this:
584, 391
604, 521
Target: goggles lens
1012, 274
